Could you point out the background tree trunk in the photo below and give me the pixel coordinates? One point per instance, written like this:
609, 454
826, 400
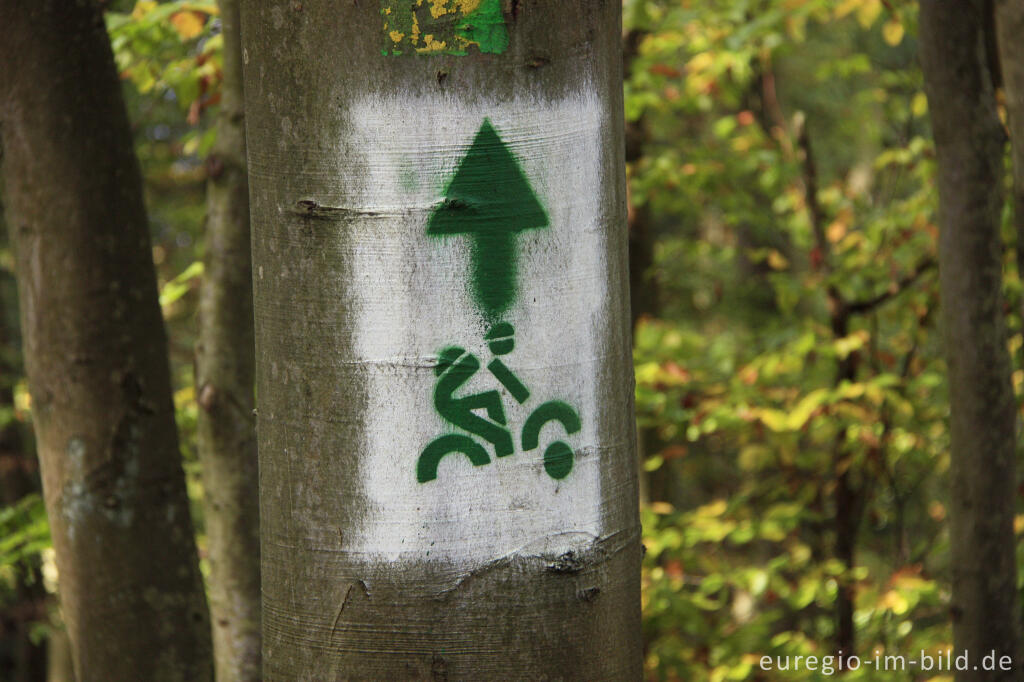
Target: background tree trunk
224, 382
643, 290
96, 353
59, 661
969, 145
505, 570
1010, 31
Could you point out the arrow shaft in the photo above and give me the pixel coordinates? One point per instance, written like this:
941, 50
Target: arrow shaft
494, 271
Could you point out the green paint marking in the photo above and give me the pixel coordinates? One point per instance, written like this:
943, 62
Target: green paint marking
426, 468
489, 199
455, 367
485, 28
558, 460
553, 410
509, 380
500, 340
461, 411
436, 27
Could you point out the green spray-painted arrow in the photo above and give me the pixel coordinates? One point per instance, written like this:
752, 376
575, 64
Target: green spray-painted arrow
489, 199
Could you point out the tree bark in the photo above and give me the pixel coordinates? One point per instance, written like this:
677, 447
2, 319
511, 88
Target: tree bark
59, 664
224, 380
1010, 32
969, 143
371, 166
96, 353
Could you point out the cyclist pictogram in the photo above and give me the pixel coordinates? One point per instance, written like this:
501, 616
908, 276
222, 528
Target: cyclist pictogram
490, 200
454, 369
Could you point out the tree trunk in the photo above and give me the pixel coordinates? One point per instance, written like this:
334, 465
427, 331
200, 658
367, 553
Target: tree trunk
442, 184
96, 353
969, 146
643, 290
224, 379
59, 663
1010, 30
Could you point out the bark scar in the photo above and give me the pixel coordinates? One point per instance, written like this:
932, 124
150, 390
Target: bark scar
344, 602
314, 209
570, 562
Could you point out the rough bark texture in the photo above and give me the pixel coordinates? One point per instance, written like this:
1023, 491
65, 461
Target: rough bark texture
331, 609
969, 144
1010, 31
96, 353
224, 379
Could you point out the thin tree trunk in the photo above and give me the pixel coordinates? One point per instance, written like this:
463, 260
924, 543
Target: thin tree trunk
643, 291
1010, 31
59, 662
96, 353
969, 145
408, 206
224, 380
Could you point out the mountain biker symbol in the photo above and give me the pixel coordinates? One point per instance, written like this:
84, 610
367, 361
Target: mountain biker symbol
482, 415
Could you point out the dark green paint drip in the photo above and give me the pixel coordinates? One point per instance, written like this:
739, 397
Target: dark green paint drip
489, 199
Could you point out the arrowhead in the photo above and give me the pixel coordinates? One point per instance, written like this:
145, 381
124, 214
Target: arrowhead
489, 193
490, 199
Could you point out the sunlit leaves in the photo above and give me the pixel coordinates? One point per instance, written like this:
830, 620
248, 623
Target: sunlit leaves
181, 284
188, 23
24, 532
168, 47
893, 32
740, 371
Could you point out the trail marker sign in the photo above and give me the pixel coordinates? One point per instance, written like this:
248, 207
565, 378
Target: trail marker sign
483, 362
490, 200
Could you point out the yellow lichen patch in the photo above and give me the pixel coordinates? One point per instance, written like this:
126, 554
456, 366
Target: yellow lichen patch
431, 45
451, 27
438, 8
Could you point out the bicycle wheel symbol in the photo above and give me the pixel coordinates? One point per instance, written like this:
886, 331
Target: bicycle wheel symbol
558, 456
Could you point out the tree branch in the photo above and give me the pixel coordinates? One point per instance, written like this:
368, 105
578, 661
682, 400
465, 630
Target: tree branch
867, 305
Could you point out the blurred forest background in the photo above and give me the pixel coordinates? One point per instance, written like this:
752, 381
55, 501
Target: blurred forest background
791, 391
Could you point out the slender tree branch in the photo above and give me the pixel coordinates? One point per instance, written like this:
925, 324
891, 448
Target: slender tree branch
814, 210
870, 304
